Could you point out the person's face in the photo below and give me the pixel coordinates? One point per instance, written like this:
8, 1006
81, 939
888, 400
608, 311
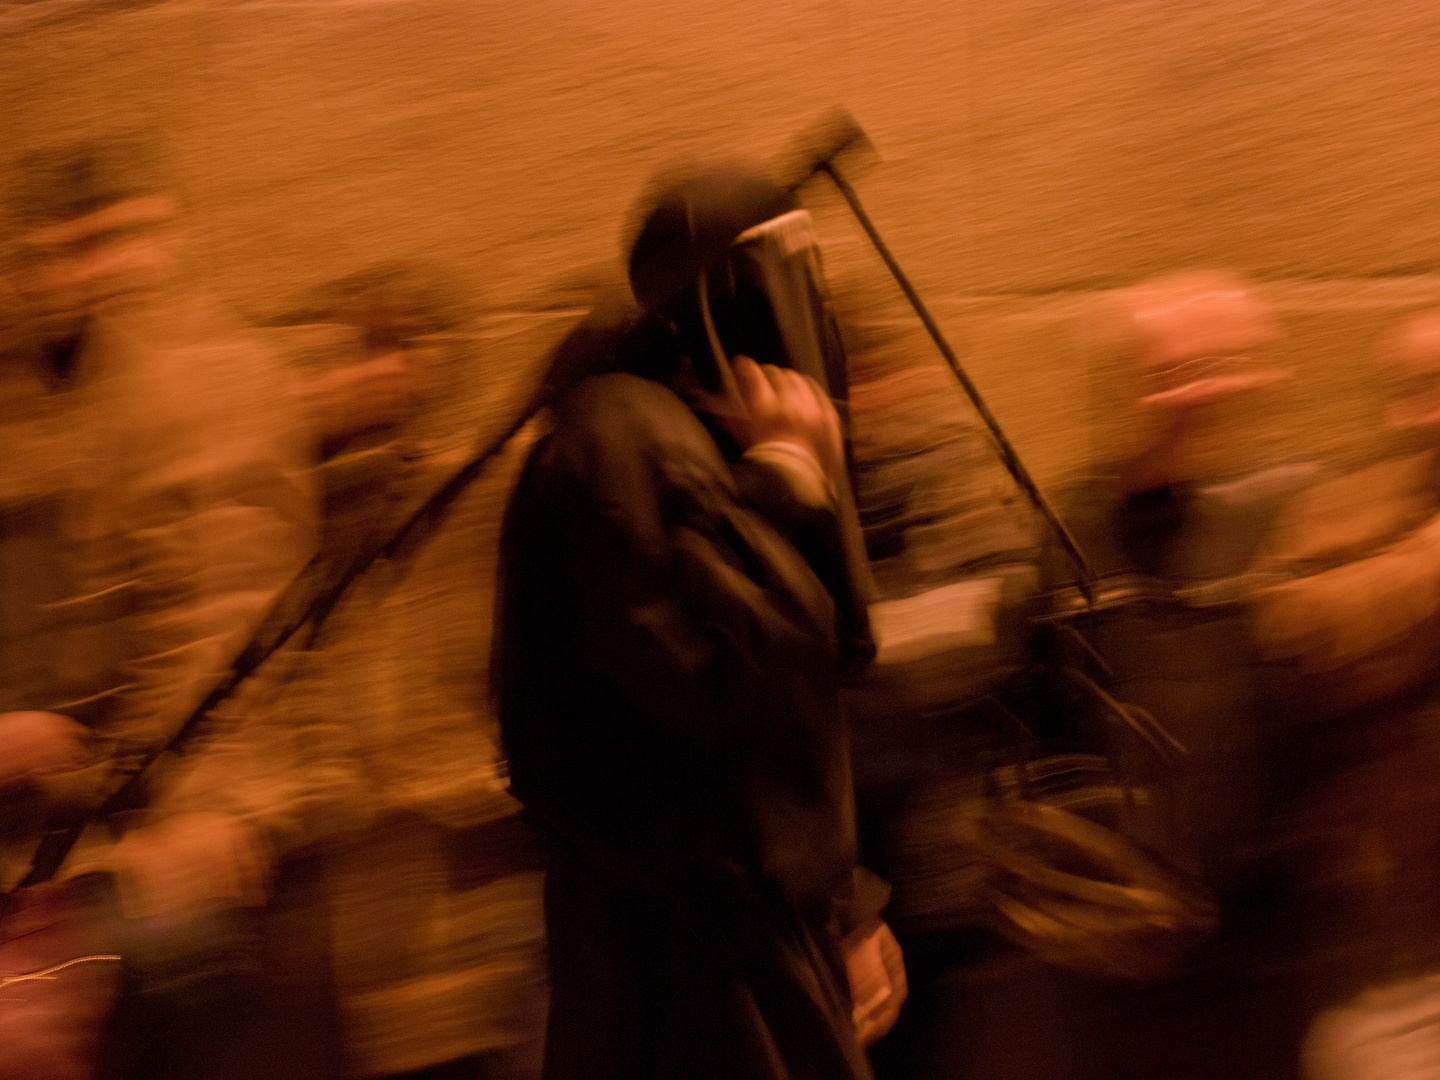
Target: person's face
377, 392
68, 271
1204, 337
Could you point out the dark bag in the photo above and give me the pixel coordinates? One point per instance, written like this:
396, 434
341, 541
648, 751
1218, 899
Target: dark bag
1038, 840
1064, 876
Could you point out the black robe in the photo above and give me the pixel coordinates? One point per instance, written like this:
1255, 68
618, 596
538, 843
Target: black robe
667, 666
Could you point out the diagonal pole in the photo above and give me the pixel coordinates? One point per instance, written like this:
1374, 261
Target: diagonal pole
1008, 455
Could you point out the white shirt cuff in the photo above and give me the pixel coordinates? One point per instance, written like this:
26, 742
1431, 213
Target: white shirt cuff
799, 469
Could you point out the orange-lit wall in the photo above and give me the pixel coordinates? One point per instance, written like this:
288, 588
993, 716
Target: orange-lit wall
1031, 152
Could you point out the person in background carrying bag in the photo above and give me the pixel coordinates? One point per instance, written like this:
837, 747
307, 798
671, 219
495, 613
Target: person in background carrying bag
430, 883
154, 503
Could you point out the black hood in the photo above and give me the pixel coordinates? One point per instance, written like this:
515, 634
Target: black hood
692, 225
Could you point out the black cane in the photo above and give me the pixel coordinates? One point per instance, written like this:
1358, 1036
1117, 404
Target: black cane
1011, 460
307, 601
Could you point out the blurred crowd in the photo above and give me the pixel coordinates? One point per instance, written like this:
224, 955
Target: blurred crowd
723, 710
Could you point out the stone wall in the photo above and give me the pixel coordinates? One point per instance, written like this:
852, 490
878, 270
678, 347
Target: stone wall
1028, 153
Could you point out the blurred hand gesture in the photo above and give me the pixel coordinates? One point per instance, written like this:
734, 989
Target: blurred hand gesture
33, 744
187, 865
876, 970
764, 403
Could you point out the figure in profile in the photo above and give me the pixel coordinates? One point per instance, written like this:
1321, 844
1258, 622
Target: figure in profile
682, 587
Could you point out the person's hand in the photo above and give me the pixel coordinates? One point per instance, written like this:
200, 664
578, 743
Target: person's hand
33, 744
774, 404
878, 988
189, 864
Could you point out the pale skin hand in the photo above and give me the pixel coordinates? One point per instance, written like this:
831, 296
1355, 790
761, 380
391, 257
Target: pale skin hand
773, 404
876, 971
34, 744
189, 864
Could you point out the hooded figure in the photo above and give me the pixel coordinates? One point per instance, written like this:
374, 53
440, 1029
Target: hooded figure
679, 598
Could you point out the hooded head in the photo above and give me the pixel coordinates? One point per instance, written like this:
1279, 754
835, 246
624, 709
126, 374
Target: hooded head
691, 226
684, 275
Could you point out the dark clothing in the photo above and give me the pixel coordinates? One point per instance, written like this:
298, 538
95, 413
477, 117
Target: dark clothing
667, 668
688, 981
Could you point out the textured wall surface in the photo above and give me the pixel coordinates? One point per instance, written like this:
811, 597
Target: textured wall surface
1029, 153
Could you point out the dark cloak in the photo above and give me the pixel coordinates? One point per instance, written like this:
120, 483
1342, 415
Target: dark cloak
668, 694
672, 628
